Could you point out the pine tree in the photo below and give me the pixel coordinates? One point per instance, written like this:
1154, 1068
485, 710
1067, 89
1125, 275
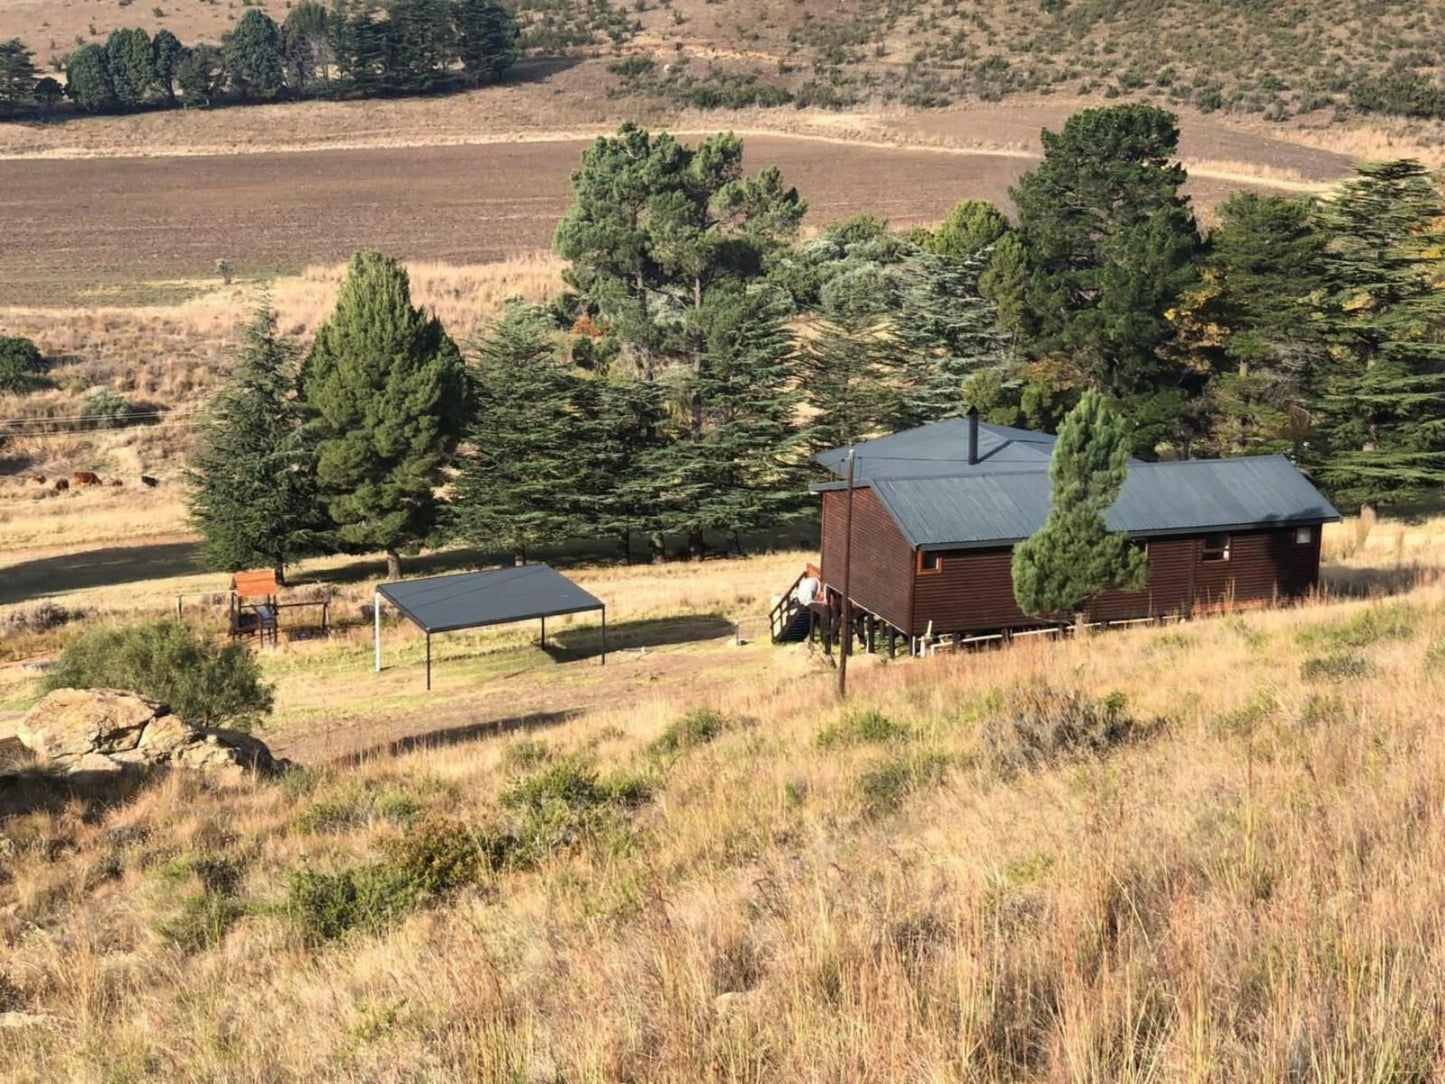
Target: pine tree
850, 358
1381, 398
131, 63
740, 469
253, 55
166, 54
423, 45
517, 484
970, 228
200, 75
387, 392
621, 429
306, 45
253, 494
950, 337
87, 79
17, 78
486, 39
1109, 243
1074, 556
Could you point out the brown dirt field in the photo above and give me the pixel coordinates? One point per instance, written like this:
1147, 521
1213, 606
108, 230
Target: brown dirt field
92, 230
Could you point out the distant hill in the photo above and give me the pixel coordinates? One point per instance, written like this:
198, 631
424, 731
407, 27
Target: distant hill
1275, 58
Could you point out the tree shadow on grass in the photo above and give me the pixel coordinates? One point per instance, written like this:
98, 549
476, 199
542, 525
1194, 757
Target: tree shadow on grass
106, 567
1376, 582
458, 735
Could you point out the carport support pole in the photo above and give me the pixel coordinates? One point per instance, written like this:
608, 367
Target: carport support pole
376, 621
604, 636
544, 632
428, 661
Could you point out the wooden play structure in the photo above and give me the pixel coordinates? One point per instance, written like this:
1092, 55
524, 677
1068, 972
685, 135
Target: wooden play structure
256, 607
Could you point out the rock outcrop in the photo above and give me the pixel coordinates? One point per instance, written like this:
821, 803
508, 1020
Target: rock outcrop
106, 730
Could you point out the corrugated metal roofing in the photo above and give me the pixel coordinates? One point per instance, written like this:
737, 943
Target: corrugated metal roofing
941, 448
963, 511
471, 599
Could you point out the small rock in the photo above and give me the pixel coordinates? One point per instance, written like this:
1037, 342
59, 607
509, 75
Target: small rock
28, 1020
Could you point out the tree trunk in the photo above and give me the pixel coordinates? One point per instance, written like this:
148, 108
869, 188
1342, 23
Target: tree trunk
624, 546
659, 549
519, 556
393, 565
280, 574
695, 545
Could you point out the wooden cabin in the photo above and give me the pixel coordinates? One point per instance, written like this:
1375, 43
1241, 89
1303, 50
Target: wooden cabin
937, 511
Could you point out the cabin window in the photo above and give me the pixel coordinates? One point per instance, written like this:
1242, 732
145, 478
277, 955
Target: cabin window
1303, 536
930, 563
1216, 548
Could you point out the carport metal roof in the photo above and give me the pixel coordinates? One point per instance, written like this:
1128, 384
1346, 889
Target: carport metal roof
470, 600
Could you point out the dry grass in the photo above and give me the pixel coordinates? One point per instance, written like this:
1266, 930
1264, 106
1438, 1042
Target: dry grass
1250, 894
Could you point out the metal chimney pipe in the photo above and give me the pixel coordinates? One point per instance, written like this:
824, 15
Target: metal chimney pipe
972, 435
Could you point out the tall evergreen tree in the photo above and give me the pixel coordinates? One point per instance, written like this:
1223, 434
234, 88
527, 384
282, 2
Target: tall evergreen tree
660, 233
517, 484
1074, 555
387, 392
422, 45
253, 492
306, 46
17, 78
87, 79
486, 39
253, 55
740, 469
200, 75
1109, 243
950, 336
621, 427
166, 54
132, 66
358, 43
850, 357
1381, 398
1253, 320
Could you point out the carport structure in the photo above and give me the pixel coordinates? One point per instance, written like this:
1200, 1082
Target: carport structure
470, 600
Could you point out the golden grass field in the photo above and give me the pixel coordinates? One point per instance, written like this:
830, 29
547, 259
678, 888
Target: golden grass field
1247, 889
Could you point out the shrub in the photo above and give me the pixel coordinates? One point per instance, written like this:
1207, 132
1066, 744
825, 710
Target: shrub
20, 364
203, 921
883, 785
563, 806
1395, 621
1337, 666
698, 727
326, 906
204, 682
867, 727
1435, 658
104, 409
1041, 724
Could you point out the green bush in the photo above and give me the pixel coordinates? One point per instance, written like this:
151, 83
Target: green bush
325, 906
563, 806
883, 785
1337, 666
1041, 724
203, 921
1396, 621
867, 727
20, 364
698, 727
104, 409
204, 682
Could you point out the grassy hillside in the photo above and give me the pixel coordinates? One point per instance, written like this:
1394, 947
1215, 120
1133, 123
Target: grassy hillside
1206, 852
1250, 56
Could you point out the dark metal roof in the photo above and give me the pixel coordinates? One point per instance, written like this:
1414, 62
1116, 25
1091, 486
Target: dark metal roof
472, 599
941, 448
963, 511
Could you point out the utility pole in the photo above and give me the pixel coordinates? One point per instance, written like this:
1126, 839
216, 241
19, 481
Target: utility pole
845, 645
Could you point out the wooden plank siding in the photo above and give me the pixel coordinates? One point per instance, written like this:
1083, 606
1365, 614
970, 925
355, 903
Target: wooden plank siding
973, 589
882, 575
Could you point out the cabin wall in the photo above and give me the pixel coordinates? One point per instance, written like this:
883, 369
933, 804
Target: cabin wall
881, 580
974, 589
